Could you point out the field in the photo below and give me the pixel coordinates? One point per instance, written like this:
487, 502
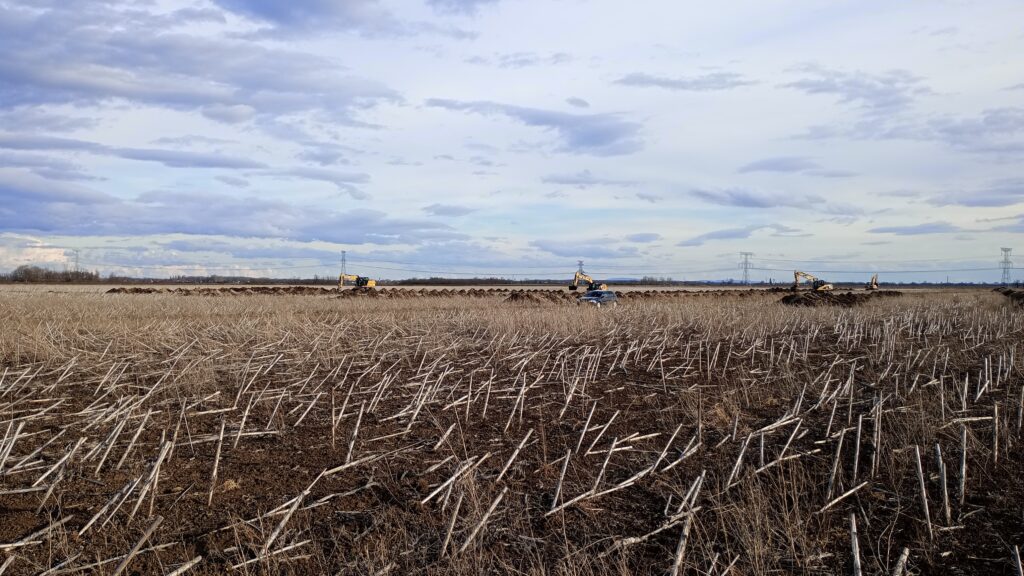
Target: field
713, 433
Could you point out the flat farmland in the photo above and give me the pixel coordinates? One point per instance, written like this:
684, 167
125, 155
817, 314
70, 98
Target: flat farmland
479, 432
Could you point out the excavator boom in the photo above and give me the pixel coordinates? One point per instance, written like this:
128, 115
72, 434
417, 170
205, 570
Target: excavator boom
817, 284
582, 279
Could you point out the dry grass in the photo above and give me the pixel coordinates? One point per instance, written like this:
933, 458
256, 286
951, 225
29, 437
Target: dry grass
309, 435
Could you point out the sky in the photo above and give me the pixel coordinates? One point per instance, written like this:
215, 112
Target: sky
513, 137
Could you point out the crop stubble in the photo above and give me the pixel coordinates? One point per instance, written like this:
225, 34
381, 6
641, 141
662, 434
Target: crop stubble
306, 434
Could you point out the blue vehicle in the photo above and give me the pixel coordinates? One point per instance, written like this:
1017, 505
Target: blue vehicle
599, 298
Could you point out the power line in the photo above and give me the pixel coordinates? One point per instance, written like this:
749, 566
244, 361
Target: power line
936, 270
913, 261
1006, 265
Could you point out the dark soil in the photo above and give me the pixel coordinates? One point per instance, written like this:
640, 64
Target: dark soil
843, 299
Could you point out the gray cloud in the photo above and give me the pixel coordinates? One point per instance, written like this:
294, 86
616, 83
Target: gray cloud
999, 193
644, 237
780, 164
192, 140
743, 198
577, 102
741, 233
872, 93
459, 6
180, 159
344, 181
46, 166
993, 131
33, 142
794, 164
228, 113
37, 206
100, 52
521, 59
597, 134
233, 181
447, 210
364, 17
705, 83
585, 249
585, 179
825, 173
324, 153
172, 158
1016, 228
31, 119
648, 197
361, 15
245, 250
19, 188
918, 229
752, 199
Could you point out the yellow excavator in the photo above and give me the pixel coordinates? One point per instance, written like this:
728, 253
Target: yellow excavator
358, 281
817, 284
872, 284
581, 279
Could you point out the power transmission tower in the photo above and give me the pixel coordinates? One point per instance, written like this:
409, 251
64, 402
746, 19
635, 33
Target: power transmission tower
580, 262
1006, 265
75, 250
745, 265
343, 262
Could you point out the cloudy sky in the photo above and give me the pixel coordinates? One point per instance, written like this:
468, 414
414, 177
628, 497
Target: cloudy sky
512, 136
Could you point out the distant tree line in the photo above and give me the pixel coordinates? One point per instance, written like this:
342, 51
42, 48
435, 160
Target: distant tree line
37, 274
40, 275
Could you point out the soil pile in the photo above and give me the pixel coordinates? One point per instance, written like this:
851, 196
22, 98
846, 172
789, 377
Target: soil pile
523, 297
1016, 296
133, 290
844, 299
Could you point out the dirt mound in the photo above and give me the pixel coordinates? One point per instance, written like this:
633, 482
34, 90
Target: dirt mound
1017, 296
844, 299
133, 290
524, 297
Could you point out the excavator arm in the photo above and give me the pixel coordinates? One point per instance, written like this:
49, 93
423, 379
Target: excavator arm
582, 279
816, 283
